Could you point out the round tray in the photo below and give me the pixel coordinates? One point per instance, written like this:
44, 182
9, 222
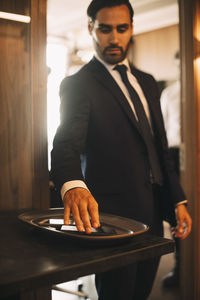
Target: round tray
113, 228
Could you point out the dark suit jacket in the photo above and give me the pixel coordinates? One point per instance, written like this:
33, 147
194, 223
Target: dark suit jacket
98, 141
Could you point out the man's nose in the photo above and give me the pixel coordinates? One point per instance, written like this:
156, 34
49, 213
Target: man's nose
114, 38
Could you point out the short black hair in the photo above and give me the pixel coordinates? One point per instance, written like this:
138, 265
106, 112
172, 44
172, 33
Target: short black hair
97, 5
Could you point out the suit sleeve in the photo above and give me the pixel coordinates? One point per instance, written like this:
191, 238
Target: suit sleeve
172, 181
70, 139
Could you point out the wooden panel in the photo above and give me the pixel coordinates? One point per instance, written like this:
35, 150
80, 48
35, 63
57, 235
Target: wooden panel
21, 7
23, 133
197, 183
39, 109
154, 51
15, 116
190, 257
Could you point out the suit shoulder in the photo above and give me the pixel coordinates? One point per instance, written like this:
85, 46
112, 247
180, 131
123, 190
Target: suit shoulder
147, 82
139, 73
74, 80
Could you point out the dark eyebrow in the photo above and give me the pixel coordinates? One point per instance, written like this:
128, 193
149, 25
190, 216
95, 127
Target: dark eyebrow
125, 25
102, 25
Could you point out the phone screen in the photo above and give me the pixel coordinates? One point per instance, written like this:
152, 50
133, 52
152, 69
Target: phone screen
72, 228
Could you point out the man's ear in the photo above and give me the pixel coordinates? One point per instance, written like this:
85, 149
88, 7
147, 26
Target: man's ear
90, 26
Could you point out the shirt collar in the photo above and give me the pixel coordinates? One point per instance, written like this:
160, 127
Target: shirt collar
110, 67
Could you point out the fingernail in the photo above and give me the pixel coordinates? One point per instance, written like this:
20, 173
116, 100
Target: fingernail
96, 225
80, 228
88, 229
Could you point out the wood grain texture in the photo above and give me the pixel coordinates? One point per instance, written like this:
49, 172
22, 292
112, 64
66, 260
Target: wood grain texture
197, 138
21, 7
23, 134
190, 257
39, 104
40, 260
15, 116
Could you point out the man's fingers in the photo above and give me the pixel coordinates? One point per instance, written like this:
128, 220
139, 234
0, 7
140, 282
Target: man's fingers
186, 233
67, 212
83, 206
85, 217
182, 233
188, 227
180, 226
94, 213
184, 222
77, 219
184, 228
179, 231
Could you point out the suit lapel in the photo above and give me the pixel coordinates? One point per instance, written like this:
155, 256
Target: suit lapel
102, 75
146, 88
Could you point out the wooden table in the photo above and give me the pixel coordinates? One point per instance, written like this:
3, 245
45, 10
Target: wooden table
30, 260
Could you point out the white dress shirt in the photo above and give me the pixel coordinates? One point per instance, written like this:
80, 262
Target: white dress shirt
170, 105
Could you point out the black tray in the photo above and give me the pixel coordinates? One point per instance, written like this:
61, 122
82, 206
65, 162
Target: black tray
114, 229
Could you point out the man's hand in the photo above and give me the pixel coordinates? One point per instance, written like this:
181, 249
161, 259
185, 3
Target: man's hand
184, 221
81, 204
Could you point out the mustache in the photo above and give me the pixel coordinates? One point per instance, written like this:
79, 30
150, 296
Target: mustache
113, 47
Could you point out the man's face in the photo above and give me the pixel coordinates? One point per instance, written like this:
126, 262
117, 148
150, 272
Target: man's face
111, 33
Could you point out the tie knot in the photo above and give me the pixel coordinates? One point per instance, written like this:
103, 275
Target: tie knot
120, 68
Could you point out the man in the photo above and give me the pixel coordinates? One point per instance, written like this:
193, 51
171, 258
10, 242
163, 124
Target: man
110, 152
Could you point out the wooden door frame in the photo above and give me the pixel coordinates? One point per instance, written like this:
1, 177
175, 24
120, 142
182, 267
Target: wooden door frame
190, 93
40, 182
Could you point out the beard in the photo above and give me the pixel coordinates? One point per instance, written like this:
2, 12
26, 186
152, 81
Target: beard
112, 54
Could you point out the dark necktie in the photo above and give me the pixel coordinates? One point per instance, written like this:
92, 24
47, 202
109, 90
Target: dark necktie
143, 125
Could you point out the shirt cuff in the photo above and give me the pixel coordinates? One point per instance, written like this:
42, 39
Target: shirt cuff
181, 202
71, 185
